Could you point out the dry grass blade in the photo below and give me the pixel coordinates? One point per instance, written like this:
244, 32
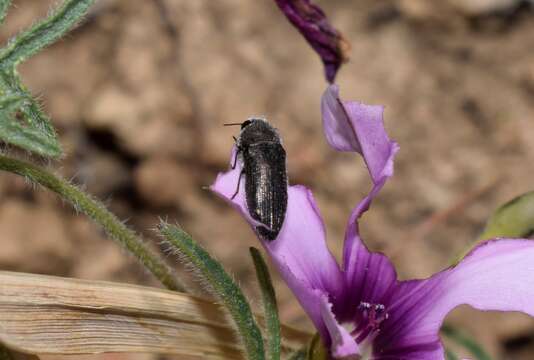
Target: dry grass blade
51, 315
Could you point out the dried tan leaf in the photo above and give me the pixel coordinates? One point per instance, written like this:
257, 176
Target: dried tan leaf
52, 315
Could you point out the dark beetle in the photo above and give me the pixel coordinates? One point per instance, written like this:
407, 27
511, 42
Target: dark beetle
264, 167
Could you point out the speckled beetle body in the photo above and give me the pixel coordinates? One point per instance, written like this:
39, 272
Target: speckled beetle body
264, 168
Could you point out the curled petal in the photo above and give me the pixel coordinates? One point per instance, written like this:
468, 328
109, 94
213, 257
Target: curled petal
496, 275
352, 126
312, 23
299, 252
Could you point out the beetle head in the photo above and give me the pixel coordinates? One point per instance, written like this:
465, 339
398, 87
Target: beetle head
257, 130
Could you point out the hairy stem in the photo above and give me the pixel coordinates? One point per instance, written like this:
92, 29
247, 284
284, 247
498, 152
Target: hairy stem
212, 273
94, 209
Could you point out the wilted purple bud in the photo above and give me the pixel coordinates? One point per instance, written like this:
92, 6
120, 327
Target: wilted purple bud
311, 21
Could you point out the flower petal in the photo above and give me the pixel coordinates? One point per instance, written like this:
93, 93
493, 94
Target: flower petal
312, 23
342, 344
370, 278
352, 126
496, 275
299, 252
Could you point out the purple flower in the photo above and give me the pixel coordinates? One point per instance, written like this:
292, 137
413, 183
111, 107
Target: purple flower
360, 309
312, 23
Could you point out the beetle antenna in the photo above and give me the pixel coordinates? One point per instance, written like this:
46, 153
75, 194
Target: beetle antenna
232, 124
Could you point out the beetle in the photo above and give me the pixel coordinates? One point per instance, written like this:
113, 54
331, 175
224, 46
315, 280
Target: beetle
264, 166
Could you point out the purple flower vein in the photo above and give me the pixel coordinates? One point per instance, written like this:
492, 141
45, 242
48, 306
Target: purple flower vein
360, 308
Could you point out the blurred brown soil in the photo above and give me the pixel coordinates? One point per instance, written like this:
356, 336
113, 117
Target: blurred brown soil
140, 91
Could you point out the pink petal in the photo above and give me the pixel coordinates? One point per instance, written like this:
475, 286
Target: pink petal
497, 275
352, 126
343, 344
370, 278
299, 252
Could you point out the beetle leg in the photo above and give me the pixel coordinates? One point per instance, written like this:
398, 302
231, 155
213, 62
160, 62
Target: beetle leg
238, 183
235, 158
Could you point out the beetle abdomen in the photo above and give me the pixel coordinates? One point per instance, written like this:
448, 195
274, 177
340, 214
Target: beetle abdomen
266, 186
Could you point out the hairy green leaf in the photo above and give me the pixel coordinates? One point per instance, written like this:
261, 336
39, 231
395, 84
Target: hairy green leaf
22, 123
43, 33
213, 275
270, 306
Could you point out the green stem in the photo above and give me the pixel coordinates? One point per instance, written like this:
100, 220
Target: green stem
94, 209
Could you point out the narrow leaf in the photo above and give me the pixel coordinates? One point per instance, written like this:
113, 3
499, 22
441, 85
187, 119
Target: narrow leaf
51, 315
22, 123
466, 342
43, 33
514, 219
221, 285
269, 305
32, 138
4, 6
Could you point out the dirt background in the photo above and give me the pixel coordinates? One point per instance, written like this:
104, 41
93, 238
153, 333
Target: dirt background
140, 91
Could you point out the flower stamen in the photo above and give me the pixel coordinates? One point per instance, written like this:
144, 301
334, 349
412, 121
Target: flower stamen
371, 316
